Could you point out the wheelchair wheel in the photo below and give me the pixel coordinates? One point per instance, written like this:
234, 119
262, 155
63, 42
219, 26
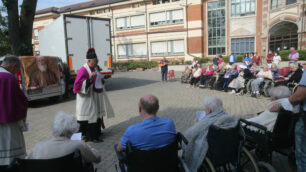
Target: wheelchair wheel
248, 86
265, 167
207, 166
267, 86
247, 161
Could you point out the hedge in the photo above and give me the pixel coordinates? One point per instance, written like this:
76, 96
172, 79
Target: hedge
133, 65
285, 53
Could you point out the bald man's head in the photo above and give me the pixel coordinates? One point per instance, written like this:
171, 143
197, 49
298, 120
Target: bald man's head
149, 103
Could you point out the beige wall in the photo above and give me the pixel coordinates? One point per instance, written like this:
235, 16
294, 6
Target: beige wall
193, 30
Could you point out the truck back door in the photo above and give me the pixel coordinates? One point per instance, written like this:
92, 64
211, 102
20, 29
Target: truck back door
88, 32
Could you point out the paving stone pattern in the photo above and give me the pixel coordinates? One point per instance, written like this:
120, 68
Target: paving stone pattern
124, 90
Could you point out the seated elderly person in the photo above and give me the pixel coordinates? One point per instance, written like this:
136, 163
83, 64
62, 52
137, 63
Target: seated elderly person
207, 75
267, 118
195, 151
153, 132
186, 73
239, 82
63, 127
294, 76
275, 71
196, 75
265, 73
228, 77
255, 69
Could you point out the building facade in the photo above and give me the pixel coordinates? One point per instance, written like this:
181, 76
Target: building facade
183, 29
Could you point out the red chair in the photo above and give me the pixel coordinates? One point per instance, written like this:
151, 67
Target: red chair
171, 74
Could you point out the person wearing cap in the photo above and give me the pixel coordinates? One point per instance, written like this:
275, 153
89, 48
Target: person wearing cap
238, 83
89, 99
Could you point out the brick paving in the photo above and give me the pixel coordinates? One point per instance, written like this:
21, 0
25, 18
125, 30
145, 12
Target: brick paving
124, 90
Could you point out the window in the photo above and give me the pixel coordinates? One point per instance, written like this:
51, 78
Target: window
168, 17
242, 45
156, 2
92, 12
243, 7
276, 4
130, 22
175, 0
35, 34
137, 21
99, 11
176, 47
173, 47
216, 27
132, 50
136, 5
106, 10
291, 2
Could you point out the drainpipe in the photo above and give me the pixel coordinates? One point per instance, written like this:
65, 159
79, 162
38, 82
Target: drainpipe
187, 28
147, 34
301, 42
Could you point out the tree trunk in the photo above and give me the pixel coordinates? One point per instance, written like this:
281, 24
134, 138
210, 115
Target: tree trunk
20, 27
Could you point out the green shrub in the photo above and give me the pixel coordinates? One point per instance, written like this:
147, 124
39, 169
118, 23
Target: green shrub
285, 53
131, 65
203, 60
175, 62
188, 62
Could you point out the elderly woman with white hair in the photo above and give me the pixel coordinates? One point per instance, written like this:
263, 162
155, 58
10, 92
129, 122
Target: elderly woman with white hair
264, 73
239, 82
195, 151
63, 127
267, 118
196, 75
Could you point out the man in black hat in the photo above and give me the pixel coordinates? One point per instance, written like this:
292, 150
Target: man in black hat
89, 100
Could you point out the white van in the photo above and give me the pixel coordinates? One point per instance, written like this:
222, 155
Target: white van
41, 77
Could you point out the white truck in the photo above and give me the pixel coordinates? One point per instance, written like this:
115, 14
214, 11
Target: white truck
69, 37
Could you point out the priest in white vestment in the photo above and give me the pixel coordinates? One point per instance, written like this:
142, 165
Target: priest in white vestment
89, 100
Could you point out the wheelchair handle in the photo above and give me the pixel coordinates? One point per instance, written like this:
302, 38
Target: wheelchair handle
253, 124
181, 137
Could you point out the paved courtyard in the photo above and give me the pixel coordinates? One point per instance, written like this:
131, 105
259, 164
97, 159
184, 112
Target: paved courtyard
124, 90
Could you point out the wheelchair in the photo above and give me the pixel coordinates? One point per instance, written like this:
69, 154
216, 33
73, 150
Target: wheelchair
232, 156
163, 159
264, 87
265, 142
70, 162
185, 79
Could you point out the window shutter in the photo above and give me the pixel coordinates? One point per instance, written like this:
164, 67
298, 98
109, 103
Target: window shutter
177, 15
156, 17
159, 47
139, 49
137, 21
120, 22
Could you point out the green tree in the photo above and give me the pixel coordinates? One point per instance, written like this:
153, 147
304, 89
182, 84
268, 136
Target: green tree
20, 25
4, 43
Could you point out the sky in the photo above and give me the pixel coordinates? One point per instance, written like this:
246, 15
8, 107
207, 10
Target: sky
41, 4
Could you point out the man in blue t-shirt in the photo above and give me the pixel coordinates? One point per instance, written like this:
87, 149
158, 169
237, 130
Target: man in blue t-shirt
153, 132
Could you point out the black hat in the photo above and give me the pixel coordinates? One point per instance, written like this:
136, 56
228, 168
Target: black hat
91, 53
